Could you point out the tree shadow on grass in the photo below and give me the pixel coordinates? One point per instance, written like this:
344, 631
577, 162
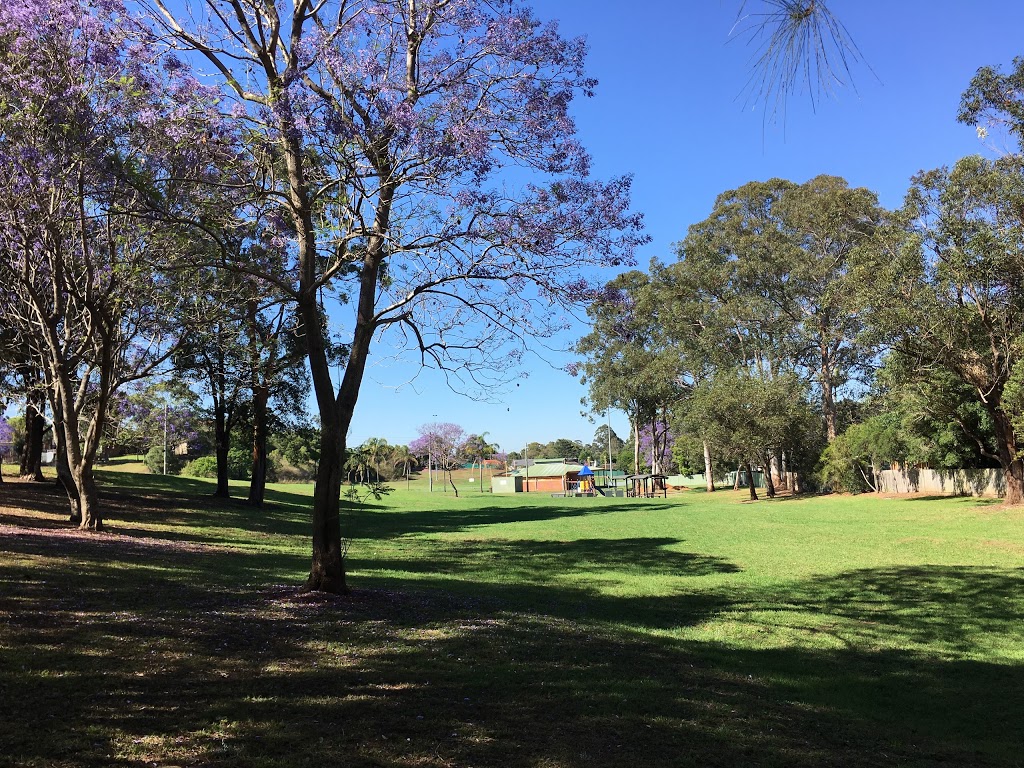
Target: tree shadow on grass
966, 499
170, 500
952, 610
178, 503
530, 561
391, 524
97, 670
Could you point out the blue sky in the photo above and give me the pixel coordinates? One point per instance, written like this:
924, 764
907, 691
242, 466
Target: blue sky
670, 109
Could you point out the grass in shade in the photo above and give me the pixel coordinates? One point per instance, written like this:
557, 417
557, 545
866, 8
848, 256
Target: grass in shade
490, 630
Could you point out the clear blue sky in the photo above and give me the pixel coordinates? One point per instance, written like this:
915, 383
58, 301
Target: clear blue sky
670, 110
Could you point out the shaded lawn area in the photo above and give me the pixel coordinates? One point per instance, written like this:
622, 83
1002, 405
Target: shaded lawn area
526, 631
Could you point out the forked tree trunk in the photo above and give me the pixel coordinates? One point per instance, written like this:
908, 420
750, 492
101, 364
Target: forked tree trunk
327, 570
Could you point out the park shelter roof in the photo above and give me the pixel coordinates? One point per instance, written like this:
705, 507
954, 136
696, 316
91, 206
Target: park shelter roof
546, 469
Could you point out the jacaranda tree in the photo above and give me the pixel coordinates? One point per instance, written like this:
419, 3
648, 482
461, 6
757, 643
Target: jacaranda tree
87, 120
425, 170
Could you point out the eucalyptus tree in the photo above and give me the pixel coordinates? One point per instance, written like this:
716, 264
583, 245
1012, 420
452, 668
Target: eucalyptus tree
764, 284
830, 226
945, 289
626, 364
721, 311
426, 168
747, 418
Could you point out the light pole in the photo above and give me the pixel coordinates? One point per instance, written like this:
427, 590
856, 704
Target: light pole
526, 459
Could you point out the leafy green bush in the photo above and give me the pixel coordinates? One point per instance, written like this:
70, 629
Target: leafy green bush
154, 459
239, 465
204, 466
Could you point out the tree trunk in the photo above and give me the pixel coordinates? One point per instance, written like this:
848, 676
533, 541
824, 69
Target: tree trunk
258, 482
736, 479
828, 403
769, 482
655, 458
327, 569
750, 481
35, 429
1006, 448
709, 470
636, 447
65, 479
222, 444
779, 467
88, 497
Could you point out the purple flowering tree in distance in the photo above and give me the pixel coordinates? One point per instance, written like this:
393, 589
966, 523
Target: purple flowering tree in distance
425, 165
442, 443
85, 110
656, 441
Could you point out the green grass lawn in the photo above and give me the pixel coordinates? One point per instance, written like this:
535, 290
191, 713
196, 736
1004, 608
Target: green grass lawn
490, 630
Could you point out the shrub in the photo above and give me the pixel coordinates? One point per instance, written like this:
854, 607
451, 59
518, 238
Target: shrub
204, 466
239, 464
155, 461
